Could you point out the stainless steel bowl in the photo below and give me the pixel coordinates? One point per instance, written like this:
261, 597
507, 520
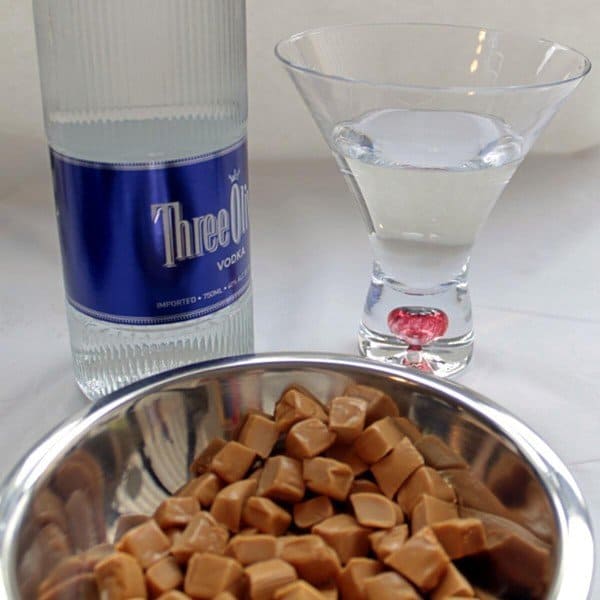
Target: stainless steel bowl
126, 454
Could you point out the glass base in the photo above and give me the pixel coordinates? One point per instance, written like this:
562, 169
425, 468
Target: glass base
428, 329
445, 358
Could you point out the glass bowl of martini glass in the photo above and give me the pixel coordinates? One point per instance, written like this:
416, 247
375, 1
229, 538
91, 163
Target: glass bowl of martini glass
428, 123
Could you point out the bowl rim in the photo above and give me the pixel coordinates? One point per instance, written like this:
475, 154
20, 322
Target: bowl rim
575, 547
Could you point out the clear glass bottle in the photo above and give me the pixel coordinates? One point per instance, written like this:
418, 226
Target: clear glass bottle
145, 105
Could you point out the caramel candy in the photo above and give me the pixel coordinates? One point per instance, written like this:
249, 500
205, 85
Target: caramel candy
120, 576
250, 548
408, 428
344, 535
347, 417
146, 542
396, 467
460, 537
256, 474
259, 433
82, 585
176, 512
364, 485
229, 503
328, 477
202, 461
266, 516
399, 514
421, 560
348, 455
232, 461
128, 522
452, 585
308, 438
386, 542
472, 493
294, 406
379, 404
208, 575
163, 576
298, 590
424, 480
312, 558
389, 586
438, 454
431, 510
351, 580
225, 596
202, 534
377, 440
203, 489
281, 479
177, 595
329, 592
266, 577
374, 510
313, 511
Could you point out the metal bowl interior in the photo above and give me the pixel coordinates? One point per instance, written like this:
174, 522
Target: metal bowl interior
128, 453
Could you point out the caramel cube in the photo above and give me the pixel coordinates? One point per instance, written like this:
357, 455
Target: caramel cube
298, 590
389, 586
294, 406
347, 454
460, 537
232, 461
312, 558
328, 477
386, 542
364, 485
146, 542
438, 454
266, 516
374, 510
229, 503
347, 417
202, 534
176, 512
203, 489
163, 576
259, 433
208, 575
202, 462
408, 428
431, 510
177, 595
224, 596
396, 467
344, 535
421, 560
266, 577
351, 580
313, 511
377, 440
251, 548
308, 438
379, 404
120, 576
424, 480
281, 479
452, 584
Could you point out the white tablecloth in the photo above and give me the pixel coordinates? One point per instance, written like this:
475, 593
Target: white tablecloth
535, 285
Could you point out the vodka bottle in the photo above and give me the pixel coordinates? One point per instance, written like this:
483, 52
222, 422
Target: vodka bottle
145, 107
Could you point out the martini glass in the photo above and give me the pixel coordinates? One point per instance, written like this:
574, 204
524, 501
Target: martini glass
428, 124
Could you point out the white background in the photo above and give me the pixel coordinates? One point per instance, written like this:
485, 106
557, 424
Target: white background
535, 277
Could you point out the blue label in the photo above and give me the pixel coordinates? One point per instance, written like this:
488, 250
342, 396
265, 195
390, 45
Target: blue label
156, 243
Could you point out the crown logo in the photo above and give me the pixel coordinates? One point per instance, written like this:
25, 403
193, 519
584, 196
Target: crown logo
235, 176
